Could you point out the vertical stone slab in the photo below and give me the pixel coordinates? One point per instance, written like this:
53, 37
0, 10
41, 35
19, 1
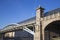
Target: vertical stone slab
38, 27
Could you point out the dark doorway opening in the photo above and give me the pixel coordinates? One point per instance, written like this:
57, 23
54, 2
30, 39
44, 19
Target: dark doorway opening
52, 31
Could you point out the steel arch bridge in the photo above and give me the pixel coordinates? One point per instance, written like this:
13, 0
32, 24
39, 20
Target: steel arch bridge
44, 26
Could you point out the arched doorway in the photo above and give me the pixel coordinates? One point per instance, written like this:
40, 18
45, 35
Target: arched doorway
52, 31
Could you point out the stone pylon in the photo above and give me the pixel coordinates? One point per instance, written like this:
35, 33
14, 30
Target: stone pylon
38, 26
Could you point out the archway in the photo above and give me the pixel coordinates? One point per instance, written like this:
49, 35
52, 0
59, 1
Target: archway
52, 31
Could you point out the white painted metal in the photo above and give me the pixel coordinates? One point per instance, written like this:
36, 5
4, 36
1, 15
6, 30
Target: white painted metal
28, 30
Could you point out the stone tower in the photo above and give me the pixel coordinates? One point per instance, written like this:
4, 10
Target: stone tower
38, 26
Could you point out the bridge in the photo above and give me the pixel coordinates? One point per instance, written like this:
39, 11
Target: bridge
44, 26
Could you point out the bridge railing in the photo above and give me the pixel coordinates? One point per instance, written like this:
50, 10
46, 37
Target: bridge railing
51, 16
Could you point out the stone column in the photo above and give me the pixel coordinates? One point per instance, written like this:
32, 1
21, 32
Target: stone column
38, 26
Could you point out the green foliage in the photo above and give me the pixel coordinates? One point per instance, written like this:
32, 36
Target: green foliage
0, 35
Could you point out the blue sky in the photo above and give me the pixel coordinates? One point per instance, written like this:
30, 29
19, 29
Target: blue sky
13, 11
